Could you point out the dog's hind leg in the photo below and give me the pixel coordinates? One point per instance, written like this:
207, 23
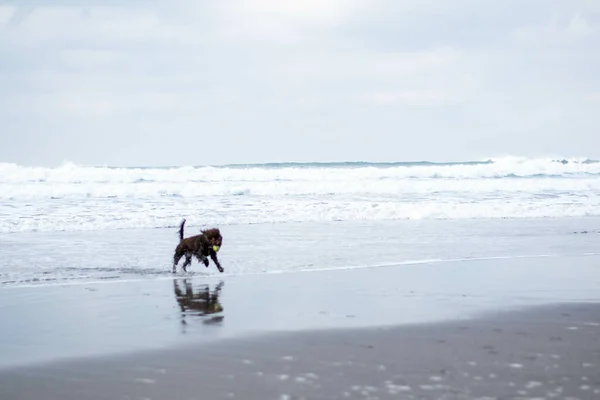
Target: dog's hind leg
176, 259
188, 261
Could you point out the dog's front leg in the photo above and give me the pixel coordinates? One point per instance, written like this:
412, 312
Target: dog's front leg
202, 258
213, 256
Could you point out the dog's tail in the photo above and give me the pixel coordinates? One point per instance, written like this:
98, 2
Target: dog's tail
181, 230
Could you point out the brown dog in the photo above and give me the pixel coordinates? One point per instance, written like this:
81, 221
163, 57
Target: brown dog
201, 246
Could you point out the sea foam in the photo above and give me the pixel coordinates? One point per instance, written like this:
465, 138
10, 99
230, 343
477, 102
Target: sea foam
73, 197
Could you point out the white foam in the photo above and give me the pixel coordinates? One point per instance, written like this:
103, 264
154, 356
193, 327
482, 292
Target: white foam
148, 381
500, 167
533, 384
71, 197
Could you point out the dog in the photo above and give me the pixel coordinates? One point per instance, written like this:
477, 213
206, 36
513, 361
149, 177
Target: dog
201, 246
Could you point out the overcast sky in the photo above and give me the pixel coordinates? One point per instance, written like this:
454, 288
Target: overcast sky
181, 82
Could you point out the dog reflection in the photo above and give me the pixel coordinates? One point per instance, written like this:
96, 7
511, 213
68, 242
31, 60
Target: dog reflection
201, 302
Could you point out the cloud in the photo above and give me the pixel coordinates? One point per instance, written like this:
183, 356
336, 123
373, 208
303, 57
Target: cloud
87, 59
75, 25
412, 98
104, 103
275, 77
6, 13
282, 21
554, 32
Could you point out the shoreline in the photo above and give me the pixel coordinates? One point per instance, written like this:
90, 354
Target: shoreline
193, 273
54, 322
61, 258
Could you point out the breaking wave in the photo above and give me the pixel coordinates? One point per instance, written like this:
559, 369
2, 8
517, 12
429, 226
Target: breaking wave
74, 197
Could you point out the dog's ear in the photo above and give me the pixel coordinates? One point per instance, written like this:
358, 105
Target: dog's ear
212, 233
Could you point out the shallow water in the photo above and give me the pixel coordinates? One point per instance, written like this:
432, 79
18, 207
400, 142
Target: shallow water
42, 258
72, 294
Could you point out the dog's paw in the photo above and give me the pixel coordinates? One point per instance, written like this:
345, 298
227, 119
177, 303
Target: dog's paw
205, 263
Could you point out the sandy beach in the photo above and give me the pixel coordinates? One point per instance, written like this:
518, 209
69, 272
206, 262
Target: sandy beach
501, 328
548, 352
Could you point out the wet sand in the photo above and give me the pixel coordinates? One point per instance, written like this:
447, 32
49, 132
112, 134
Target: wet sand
516, 328
545, 352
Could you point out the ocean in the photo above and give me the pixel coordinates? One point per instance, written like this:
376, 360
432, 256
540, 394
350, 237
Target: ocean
72, 224
71, 197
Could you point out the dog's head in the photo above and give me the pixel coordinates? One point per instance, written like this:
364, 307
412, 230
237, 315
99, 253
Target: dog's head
214, 238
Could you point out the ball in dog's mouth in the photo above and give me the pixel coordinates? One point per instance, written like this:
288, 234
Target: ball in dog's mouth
216, 248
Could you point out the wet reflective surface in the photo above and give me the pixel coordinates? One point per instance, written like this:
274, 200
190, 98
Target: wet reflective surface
198, 302
54, 322
113, 292
548, 352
